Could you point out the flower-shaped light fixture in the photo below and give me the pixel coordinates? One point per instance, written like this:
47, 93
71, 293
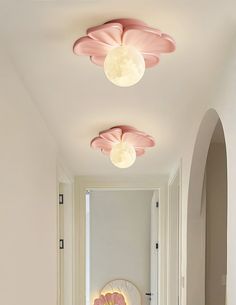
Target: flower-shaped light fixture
122, 144
114, 298
124, 47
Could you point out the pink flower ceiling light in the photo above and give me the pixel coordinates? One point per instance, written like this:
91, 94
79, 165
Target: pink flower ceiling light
122, 144
114, 298
124, 47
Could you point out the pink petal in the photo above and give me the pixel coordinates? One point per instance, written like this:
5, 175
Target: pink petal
138, 140
88, 46
102, 297
108, 297
98, 60
139, 151
99, 143
127, 22
112, 135
98, 302
125, 128
148, 40
106, 152
145, 28
150, 60
168, 37
119, 299
109, 33
114, 296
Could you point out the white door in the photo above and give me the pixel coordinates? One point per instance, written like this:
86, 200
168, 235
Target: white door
61, 243
65, 223
154, 245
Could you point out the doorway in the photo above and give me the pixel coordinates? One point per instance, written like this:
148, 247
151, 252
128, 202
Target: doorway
84, 184
122, 241
216, 220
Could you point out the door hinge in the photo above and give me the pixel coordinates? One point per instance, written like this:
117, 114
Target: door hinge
61, 244
61, 199
157, 246
157, 204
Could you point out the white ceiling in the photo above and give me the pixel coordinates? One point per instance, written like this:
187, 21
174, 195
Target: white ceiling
77, 101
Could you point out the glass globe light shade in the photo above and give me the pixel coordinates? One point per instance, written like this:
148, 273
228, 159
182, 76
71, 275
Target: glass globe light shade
123, 155
124, 66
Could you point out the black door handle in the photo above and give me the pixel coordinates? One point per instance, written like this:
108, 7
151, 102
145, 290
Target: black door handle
148, 293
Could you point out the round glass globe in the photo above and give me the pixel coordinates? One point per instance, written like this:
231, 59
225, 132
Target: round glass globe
123, 155
124, 66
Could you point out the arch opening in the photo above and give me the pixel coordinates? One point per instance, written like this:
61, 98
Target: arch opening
207, 216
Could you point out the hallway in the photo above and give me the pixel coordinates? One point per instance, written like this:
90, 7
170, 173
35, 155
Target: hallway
54, 104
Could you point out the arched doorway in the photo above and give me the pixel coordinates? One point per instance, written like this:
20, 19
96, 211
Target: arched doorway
207, 220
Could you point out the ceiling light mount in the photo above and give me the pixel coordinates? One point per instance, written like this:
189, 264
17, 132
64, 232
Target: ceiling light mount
125, 48
123, 144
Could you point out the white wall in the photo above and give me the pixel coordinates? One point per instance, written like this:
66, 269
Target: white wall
216, 224
224, 102
120, 239
28, 225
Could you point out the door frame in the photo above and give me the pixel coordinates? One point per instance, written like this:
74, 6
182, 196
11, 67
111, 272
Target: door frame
84, 183
65, 182
174, 223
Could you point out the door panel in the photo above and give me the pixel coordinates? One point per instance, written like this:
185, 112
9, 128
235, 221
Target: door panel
154, 248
